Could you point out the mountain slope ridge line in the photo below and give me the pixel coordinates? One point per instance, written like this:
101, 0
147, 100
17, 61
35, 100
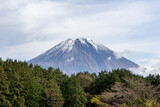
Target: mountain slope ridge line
81, 54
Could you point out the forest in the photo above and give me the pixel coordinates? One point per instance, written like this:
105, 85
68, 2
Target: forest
28, 85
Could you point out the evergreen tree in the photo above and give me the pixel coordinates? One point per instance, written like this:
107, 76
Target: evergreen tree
4, 89
74, 94
32, 90
153, 79
18, 98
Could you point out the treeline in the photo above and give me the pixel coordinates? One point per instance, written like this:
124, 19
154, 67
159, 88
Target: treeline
25, 85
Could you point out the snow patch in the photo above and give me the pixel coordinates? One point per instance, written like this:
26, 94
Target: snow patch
92, 43
97, 46
109, 58
67, 45
82, 40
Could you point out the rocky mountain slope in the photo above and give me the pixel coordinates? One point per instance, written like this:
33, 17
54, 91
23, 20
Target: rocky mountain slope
81, 54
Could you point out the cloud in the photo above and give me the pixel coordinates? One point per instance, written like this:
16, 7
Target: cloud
120, 25
26, 51
48, 19
119, 55
146, 70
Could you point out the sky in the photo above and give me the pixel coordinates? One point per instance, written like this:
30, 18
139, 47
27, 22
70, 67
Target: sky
128, 27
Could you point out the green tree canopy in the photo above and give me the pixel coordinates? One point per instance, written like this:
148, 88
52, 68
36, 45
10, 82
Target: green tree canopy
74, 94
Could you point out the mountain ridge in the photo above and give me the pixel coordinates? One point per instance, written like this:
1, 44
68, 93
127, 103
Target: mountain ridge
81, 54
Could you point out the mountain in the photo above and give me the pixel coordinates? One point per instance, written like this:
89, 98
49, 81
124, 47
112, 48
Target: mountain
81, 54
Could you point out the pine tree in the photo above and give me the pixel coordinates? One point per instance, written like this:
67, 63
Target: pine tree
32, 90
4, 87
74, 94
18, 98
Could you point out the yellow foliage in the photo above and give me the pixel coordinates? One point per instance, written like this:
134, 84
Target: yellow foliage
124, 105
152, 103
96, 100
149, 103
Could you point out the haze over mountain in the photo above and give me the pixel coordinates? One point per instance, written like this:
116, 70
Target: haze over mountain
81, 54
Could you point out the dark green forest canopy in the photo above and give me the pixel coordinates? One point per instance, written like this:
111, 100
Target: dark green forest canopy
23, 84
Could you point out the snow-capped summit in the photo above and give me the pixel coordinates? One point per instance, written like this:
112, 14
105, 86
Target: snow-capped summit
81, 54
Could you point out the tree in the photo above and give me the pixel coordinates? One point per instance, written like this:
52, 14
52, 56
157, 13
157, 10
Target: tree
4, 89
17, 90
153, 79
85, 81
135, 92
1, 64
52, 95
32, 90
106, 79
73, 93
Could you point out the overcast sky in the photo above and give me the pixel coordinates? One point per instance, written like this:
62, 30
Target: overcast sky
130, 27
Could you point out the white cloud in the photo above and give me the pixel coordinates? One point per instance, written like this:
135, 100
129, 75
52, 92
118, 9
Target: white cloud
41, 16
29, 27
119, 55
146, 70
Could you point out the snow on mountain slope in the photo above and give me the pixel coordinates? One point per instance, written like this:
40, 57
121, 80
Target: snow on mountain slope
81, 54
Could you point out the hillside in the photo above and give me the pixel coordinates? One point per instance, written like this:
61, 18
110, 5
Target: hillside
23, 84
